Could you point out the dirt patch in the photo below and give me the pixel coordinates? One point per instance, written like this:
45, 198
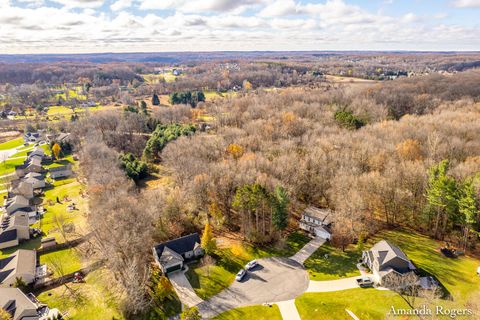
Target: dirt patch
9, 135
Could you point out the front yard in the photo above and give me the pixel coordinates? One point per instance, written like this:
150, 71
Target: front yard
366, 304
254, 312
329, 263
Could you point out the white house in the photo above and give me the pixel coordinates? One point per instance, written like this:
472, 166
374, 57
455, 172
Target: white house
317, 222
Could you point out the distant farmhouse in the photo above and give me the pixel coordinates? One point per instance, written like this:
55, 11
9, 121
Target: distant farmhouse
171, 255
317, 222
386, 259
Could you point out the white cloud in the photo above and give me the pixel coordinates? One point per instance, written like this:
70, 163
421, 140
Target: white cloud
279, 8
80, 3
467, 3
121, 4
198, 6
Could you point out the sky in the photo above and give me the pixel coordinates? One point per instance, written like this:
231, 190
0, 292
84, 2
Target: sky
82, 26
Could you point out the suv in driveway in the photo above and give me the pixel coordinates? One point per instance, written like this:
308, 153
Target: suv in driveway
252, 264
240, 275
365, 282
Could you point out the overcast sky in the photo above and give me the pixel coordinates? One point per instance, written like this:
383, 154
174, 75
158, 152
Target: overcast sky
74, 26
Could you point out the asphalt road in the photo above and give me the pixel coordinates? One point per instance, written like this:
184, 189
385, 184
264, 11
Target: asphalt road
273, 280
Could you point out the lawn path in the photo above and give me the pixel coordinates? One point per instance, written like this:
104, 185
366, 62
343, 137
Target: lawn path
304, 253
352, 314
288, 310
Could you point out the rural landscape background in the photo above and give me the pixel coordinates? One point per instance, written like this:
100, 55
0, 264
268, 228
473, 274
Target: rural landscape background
150, 150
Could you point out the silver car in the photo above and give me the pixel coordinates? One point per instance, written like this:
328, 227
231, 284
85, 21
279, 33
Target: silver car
240, 275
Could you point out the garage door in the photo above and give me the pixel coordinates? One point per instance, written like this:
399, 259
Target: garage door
174, 268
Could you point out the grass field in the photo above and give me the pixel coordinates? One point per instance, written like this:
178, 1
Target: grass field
57, 213
366, 304
86, 301
11, 144
8, 166
61, 262
210, 280
254, 312
338, 264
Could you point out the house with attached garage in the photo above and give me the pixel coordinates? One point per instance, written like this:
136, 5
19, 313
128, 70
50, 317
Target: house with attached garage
21, 188
37, 180
385, 259
33, 164
317, 222
171, 255
20, 264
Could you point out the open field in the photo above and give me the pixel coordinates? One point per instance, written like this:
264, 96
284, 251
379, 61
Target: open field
62, 262
254, 312
11, 144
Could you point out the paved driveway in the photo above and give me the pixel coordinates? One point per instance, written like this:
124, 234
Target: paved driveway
184, 289
333, 285
308, 250
275, 279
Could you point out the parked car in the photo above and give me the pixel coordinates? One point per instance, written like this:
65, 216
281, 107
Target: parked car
252, 264
478, 271
365, 282
240, 275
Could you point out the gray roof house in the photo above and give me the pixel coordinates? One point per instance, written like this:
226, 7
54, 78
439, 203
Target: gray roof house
14, 229
61, 171
23, 307
317, 222
37, 180
171, 255
385, 259
22, 188
33, 164
20, 264
15, 203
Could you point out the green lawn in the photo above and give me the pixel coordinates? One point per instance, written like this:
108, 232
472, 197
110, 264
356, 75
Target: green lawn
366, 304
23, 151
254, 312
8, 166
11, 144
86, 301
338, 264
208, 281
30, 245
57, 212
62, 162
62, 262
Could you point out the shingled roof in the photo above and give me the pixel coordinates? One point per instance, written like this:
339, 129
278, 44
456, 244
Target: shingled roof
180, 245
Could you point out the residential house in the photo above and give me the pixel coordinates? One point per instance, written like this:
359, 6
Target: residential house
384, 260
317, 222
15, 203
37, 180
20, 264
21, 188
24, 307
14, 229
61, 171
31, 212
32, 137
171, 255
32, 164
